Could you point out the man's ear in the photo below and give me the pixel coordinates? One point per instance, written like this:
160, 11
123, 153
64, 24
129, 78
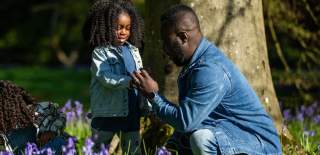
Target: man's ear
183, 35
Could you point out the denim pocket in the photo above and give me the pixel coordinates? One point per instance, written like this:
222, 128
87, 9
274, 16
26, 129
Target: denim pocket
114, 65
241, 141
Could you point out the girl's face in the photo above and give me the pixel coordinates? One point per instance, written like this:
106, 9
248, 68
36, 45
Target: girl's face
123, 28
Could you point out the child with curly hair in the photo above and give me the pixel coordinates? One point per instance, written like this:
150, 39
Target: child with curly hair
113, 30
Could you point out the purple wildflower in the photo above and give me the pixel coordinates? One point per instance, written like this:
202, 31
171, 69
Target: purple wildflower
286, 114
70, 148
66, 107
316, 119
70, 116
309, 133
104, 150
6, 153
311, 109
70, 143
31, 149
28, 149
87, 149
300, 116
319, 148
162, 151
79, 107
47, 151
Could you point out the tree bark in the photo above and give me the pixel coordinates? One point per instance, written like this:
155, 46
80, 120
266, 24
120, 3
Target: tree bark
236, 27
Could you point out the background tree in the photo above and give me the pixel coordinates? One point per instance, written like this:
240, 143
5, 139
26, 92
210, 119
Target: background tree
42, 32
294, 33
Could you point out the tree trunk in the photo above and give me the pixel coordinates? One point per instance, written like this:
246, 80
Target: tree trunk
162, 69
235, 26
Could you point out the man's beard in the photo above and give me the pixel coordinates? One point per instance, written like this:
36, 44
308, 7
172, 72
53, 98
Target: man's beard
178, 57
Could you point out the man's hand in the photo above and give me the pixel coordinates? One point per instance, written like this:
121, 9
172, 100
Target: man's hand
145, 83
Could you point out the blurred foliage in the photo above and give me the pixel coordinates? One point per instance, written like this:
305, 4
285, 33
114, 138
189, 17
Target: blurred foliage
297, 25
45, 32
293, 36
54, 84
32, 32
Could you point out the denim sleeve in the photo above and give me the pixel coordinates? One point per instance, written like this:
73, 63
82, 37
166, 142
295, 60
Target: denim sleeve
101, 70
208, 85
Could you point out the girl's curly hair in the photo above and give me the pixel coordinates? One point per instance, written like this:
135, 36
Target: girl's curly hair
16, 107
100, 25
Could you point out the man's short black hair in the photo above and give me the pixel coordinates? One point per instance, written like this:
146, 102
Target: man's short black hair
173, 14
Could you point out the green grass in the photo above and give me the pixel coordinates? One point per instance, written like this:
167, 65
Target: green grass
309, 143
54, 84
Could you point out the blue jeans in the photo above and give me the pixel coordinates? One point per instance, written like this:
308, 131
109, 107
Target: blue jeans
19, 138
219, 142
203, 142
200, 142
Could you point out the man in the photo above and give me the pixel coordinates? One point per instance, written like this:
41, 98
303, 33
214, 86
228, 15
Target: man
217, 108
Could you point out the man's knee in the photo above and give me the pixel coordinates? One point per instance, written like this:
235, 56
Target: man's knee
203, 141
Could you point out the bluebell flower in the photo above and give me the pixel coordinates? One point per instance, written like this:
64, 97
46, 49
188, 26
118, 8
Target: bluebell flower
162, 151
31, 149
47, 151
6, 153
286, 114
70, 116
79, 108
104, 150
69, 149
50, 152
28, 149
310, 111
300, 116
309, 133
67, 106
87, 148
316, 119
70, 143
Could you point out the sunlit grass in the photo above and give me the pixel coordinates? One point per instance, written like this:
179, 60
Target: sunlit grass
51, 84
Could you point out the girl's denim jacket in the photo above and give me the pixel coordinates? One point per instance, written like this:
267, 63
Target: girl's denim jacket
110, 82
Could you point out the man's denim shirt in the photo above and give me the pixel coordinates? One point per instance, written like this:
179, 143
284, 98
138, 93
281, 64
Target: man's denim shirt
110, 82
213, 94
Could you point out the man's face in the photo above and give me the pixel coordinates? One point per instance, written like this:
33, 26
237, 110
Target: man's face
173, 46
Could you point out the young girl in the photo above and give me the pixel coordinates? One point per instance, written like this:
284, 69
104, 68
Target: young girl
113, 30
